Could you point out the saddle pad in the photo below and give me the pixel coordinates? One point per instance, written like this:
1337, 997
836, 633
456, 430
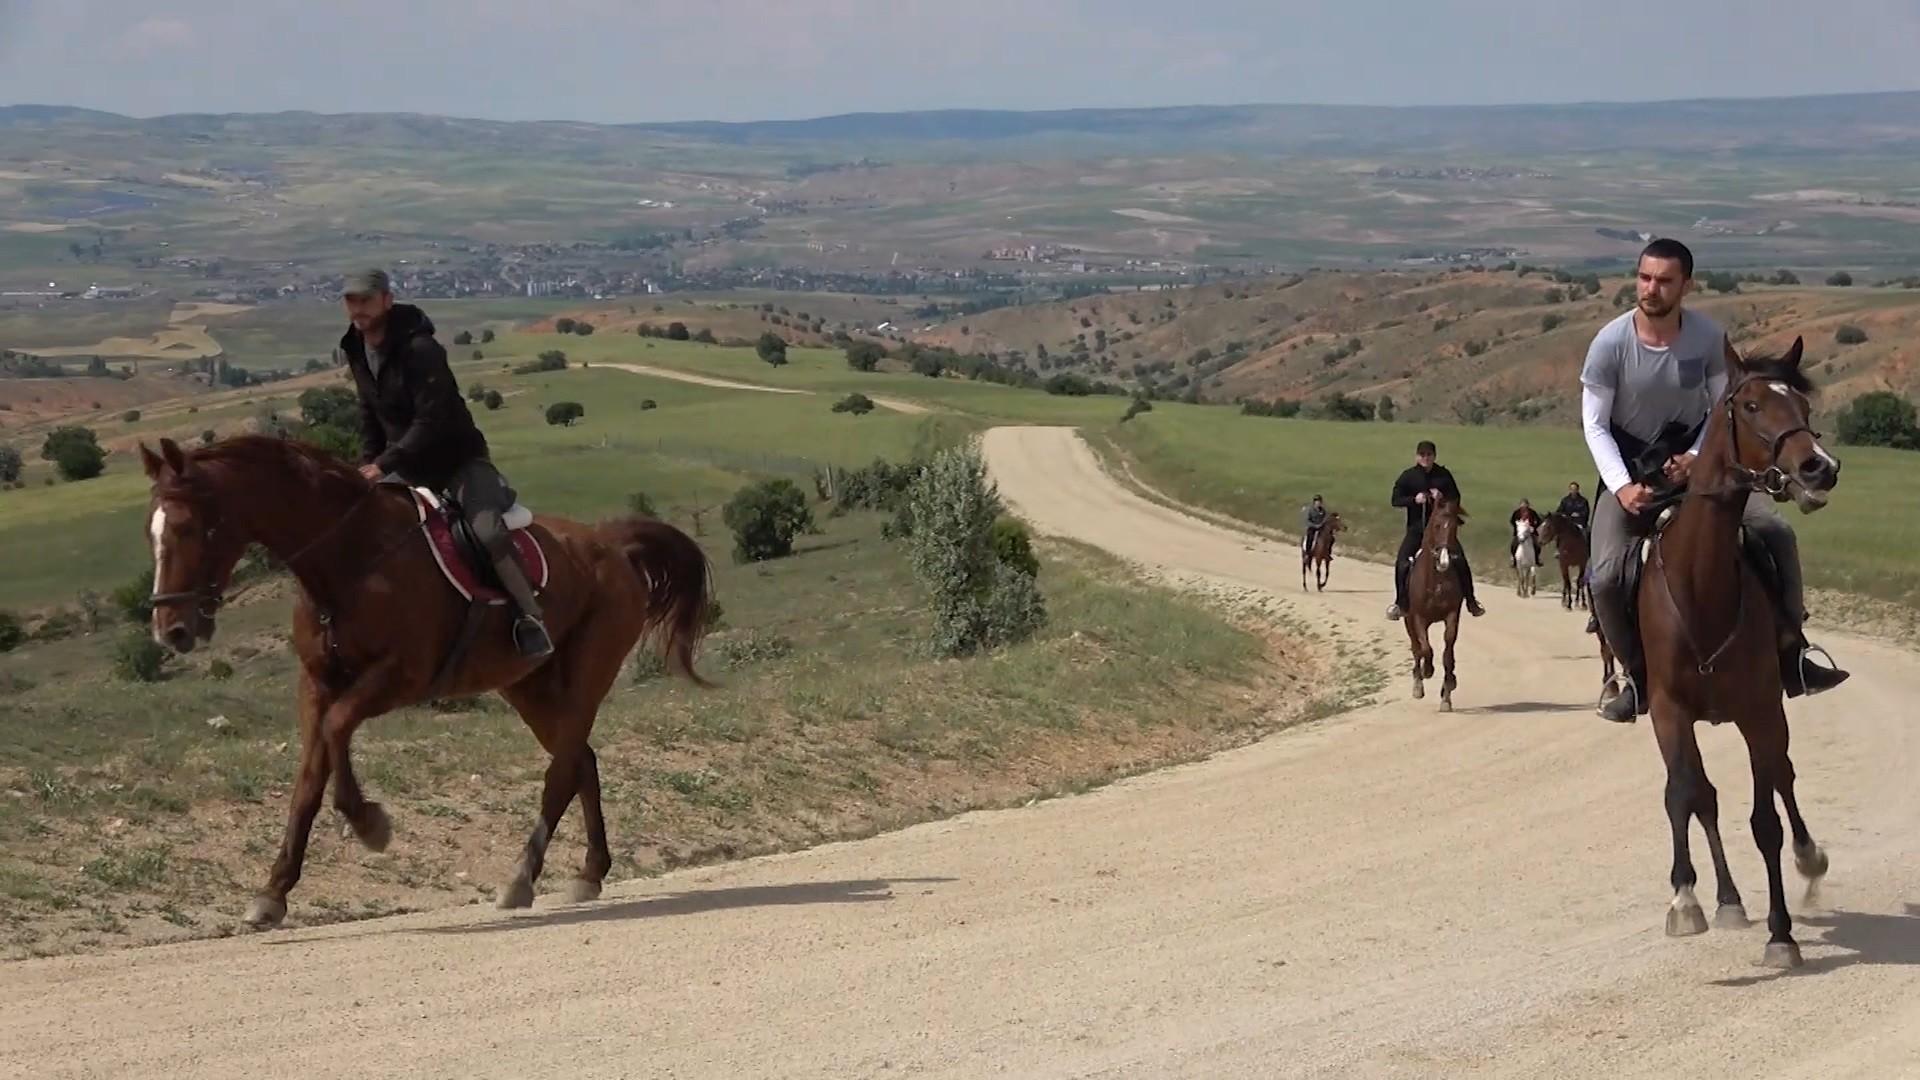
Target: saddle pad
459, 571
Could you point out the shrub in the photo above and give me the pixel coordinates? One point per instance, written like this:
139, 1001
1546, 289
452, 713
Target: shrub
865, 356
648, 403
464, 337
207, 437
13, 632
978, 601
551, 360
75, 451
1384, 409
583, 328
1840, 279
1880, 418
772, 348
752, 647
677, 331
11, 464
492, 400
705, 336
857, 404
139, 658
878, 486
1013, 546
564, 413
765, 517
134, 599
1548, 323
1135, 408
130, 416
1849, 334
563, 326
220, 670
486, 337
640, 503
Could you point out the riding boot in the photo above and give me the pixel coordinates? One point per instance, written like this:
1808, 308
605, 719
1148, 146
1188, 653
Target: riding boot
1800, 675
1624, 639
1466, 584
529, 633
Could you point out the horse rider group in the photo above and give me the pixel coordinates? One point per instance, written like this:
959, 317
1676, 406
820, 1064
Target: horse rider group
1650, 378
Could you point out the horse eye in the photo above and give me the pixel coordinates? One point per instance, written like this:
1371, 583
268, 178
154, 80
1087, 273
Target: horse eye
1753, 406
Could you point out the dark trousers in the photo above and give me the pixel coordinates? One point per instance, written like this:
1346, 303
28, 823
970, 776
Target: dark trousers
1403, 568
485, 497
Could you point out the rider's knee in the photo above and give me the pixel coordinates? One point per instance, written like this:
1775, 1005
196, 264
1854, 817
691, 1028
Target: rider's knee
488, 526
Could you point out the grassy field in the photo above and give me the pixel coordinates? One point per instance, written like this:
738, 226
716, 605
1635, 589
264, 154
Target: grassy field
139, 812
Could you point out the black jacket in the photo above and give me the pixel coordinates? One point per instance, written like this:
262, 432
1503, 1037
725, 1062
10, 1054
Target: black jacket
1416, 480
412, 418
1576, 507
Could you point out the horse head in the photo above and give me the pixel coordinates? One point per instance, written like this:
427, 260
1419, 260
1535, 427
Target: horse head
194, 549
1335, 525
1772, 446
1444, 518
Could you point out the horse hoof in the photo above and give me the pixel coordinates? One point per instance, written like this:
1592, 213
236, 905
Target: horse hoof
582, 891
1445, 705
1686, 921
1811, 861
1419, 691
517, 893
1782, 955
266, 912
375, 828
1731, 917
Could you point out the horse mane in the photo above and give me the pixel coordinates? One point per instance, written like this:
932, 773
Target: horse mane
306, 464
1776, 369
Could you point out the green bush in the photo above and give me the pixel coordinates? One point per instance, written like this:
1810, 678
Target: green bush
865, 355
1013, 546
640, 503
1849, 334
765, 517
75, 451
134, 598
1135, 408
220, 670
978, 601
130, 416
857, 404
139, 658
492, 400
564, 413
1879, 418
772, 348
752, 647
11, 464
13, 632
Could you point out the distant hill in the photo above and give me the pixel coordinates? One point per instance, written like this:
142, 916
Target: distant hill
1492, 346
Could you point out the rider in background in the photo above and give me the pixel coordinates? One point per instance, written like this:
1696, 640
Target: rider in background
1312, 517
1650, 379
415, 427
1574, 506
1524, 512
1415, 491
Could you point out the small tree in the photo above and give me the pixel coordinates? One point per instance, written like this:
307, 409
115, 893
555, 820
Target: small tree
75, 451
11, 464
978, 601
1384, 409
1549, 323
765, 517
492, 400
1786, 277
1849, 334
1840, 279
1135, 408
640, 503
857, 404
677, 331
705, 336
583, 328
1879, 418
564, 413
130, 416
335, 406
464, 337
772, 348
13, 632
865, 355
563, 326
486, 337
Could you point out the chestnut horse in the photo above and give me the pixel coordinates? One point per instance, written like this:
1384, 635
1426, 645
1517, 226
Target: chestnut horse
1320, 557
1570, 550
375, 622
1433, 596
1712, 637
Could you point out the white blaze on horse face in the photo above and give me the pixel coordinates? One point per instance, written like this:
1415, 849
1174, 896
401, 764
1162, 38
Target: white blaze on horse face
157, 529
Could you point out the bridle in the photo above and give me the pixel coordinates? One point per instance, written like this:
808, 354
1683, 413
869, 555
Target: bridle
1772, 481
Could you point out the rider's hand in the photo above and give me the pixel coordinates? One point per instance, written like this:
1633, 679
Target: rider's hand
1634, 498
371, 472
1421, 498
1679, 468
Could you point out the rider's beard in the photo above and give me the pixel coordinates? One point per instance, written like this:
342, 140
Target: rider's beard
1655, 308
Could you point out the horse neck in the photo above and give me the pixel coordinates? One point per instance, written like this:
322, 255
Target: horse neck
292, 510
1704, 537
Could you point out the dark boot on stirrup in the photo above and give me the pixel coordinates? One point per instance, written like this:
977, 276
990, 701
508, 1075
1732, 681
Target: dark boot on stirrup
1801, 675
1621, 707
529, 633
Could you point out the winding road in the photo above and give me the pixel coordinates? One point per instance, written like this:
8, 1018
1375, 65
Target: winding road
1392, 892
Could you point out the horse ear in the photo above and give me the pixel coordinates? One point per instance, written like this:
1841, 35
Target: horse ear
1792, 359
1735, 362
176, 460
151, 462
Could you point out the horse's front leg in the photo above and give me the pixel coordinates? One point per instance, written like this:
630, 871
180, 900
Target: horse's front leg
1449, 682
1417, 637
309, 786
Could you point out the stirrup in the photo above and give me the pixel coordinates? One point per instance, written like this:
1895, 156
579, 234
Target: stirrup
1800, 672
530, 637
1628, 691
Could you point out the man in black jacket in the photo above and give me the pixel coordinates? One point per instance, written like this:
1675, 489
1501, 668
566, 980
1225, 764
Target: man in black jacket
1574, 506
1416, 488
414, 426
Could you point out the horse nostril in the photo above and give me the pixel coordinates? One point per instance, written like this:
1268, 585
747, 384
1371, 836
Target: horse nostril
179, 638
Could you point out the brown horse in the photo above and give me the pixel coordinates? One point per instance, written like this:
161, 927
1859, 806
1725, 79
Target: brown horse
375, 623
1320, 557
1712, 638
1433, 596
1570, 550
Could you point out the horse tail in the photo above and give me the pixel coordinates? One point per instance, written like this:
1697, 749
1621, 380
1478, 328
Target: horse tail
679, 581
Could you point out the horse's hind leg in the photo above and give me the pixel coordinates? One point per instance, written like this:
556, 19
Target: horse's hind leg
1674, 730
593, 873
1808, 857
1767, 751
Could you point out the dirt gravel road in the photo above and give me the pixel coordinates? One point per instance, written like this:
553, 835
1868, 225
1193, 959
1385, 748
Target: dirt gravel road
895, 404
1393, 892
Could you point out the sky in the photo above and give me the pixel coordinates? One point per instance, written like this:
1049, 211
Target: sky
618, 61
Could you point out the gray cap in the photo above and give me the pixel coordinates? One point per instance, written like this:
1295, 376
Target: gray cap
367, 282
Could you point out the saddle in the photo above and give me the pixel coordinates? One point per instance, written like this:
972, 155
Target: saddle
464, 561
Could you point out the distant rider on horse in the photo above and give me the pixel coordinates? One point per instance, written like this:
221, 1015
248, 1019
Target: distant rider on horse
1313, 517
1415, 491
1524, 512
415, 429
1651, 378
1573, 506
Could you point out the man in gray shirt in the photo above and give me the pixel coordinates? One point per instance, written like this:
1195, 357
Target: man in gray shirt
1650, 378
